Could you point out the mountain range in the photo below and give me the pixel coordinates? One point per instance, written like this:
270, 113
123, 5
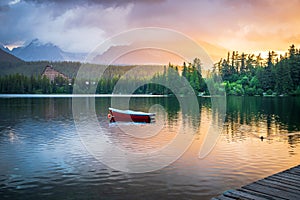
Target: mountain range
146, 56
37, 51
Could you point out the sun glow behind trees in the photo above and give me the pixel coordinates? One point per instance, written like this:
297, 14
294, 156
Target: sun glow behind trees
242, 74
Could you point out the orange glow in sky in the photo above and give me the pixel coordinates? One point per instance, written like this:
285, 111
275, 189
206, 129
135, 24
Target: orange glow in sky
218, 26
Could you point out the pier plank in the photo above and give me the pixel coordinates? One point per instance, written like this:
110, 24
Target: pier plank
283, 185
241, 194
271, 191
278, 183
284, 180
259, 194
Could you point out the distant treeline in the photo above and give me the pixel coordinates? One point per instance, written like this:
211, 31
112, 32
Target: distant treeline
21, 84
36, 68
251, 75
242, 74
160, 83
166, 82
67, 68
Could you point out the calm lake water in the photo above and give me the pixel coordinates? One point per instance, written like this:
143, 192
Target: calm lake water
42, 156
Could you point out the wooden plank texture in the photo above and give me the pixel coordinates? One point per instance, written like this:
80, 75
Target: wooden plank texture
283, 185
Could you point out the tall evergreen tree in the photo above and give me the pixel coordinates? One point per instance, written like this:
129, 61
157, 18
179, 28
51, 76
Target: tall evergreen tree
294, 63
283, 78
243, 64
185, 70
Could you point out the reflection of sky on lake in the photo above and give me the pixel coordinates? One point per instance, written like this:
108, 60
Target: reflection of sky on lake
40, 150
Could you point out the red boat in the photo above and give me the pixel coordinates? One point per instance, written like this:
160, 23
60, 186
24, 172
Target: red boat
130, 116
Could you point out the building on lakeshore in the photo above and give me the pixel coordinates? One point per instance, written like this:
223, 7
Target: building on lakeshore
51, 73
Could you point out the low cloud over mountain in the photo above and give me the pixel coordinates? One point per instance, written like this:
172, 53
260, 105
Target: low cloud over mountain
37, 50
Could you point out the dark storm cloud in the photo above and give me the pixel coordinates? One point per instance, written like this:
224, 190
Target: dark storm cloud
74, 24
106, 3
69, 24
59, 7
4, 8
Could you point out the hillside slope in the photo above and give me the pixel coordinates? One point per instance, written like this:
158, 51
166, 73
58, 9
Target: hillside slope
8, 58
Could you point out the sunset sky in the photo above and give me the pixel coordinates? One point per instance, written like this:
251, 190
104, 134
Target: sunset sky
78, 25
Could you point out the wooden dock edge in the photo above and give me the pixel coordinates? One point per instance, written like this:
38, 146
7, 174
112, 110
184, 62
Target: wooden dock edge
283, 185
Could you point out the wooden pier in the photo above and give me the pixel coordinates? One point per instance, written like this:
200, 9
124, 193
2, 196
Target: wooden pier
283, 185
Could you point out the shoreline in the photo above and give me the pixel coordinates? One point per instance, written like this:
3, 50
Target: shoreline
75, 95
116, 95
